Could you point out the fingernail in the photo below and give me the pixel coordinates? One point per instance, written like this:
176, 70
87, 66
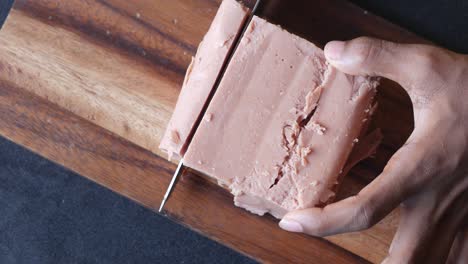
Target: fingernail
334, 50
290, 225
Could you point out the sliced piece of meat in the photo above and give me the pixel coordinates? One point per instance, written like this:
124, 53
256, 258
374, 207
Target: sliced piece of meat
201, 75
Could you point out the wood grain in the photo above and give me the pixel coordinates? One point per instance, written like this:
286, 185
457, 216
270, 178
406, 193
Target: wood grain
142, 176
84, 82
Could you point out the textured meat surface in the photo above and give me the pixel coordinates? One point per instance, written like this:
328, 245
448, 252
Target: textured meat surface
281, 124
201, 75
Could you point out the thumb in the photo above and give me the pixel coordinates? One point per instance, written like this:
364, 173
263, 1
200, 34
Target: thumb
371, 204
406, 64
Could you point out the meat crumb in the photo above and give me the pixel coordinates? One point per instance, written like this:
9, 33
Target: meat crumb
314, 183
252, 27
304, 152
311, 99
208, 117
316, 127
296, 128
326, 195
170, 154
175, 138
175, 21
356, 140
137, 15
373, 108
200, 162
227, 41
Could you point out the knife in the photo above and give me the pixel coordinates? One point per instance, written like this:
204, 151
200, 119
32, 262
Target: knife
180, 167
5, 7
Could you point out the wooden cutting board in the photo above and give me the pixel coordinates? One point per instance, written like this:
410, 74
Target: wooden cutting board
91, 85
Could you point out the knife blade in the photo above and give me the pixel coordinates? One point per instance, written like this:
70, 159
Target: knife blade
180, 167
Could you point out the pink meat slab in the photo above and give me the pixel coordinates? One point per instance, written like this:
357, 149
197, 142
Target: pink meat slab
282, 123
201, 75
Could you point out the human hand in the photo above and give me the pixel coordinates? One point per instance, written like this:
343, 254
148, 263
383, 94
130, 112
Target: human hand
427, 176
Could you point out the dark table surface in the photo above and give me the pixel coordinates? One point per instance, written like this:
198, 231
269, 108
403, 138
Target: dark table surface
51, 215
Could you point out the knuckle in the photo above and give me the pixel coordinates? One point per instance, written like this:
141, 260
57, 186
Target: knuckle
367, 50
321, 224
366, 215
428, 72
427, 59
431, 64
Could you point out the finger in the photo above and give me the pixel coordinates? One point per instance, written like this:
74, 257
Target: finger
413, 230
459, 252
362, 211
447, 229
406, 64
456, 217
422, 237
